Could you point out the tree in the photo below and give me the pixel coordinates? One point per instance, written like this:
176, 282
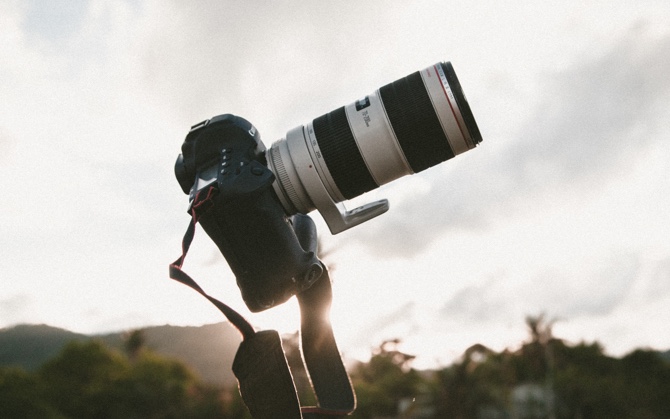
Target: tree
79, 380
586, 383
647, 379
569, 381
89, 380
155, 387
134, 343
480, 381
22, 396
384, 381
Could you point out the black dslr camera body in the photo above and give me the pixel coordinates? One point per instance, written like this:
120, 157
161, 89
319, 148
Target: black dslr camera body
225, 158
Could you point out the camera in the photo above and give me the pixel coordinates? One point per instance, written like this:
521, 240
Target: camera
255, 196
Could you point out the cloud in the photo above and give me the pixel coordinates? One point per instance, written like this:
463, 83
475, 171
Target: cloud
595, 290
7, 144
658, 285
599, 293
98, 101
53, 23
14, 308
247, 58
387, 324
479, 303
597, 116
592, 123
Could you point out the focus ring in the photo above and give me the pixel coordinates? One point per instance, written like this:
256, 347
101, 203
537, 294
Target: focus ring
415, 122
341, 154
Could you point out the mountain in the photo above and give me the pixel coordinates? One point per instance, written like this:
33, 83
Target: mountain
209, 350
29, 346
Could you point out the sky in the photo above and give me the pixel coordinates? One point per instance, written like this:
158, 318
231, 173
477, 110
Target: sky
563, 209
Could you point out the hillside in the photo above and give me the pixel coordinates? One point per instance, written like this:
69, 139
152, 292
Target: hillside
209, 350
29, 346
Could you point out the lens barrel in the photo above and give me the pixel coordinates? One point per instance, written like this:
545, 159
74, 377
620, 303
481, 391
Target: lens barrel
342, 155
402, 128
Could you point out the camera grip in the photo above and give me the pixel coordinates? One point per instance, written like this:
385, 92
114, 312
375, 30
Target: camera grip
259, 243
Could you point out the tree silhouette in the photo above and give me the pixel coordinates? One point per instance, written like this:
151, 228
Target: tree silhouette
22, 396
79, 379
133, 343
89, 380
384, 381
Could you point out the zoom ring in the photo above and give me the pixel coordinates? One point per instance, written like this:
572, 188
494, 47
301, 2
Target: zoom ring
415, 122
341, 154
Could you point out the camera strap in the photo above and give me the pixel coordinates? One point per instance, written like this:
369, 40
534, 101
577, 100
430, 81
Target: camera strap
264, 377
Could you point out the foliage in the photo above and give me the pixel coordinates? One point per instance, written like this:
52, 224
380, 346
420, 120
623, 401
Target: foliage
384, 381
21, 396
209, 350
89, 380
547, 378
544, 377
80, 382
